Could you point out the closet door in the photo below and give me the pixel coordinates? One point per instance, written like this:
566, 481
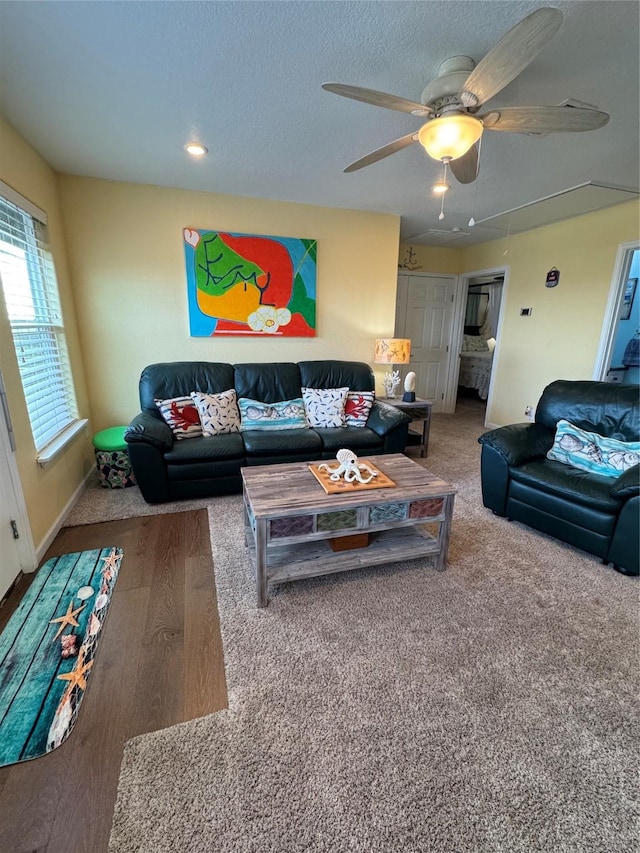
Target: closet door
425, 314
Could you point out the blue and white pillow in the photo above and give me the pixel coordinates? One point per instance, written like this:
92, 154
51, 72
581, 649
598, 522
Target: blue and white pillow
288, 414
592, 452
218, 412
325, 406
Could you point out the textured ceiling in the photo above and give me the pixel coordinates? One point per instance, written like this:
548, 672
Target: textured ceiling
114, 90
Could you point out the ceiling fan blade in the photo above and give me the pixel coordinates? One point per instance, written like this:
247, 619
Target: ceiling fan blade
378, 99
381, 153
465, 168
510, 56
544, 119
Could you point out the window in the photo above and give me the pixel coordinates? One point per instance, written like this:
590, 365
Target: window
33, 307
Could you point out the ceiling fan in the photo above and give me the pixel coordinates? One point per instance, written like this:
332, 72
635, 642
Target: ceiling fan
450, 102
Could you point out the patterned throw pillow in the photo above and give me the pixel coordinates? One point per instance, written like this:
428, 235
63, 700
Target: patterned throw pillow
325, 406
592, 452
357, 408
218, 412
182, 416
288, 414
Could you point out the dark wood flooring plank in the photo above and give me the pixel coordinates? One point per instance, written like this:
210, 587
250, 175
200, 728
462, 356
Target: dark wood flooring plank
147, 675
198, 542
205, 687
160, 686
30, 800
104, 725
165, 619
142, 544
13, 600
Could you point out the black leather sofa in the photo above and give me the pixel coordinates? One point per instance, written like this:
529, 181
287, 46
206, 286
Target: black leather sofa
599, 514
168, 469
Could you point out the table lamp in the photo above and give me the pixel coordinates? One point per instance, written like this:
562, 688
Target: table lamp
392, 351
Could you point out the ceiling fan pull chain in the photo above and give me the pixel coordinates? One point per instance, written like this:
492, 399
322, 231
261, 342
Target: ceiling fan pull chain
444, 183
472, 221
504, 254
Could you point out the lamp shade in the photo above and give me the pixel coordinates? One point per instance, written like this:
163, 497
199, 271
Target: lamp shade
392, 351
449, 137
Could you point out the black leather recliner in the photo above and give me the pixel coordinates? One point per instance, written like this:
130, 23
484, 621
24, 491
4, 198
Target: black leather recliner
599, 514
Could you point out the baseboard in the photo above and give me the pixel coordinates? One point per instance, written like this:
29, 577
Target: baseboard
491, 426
57, 525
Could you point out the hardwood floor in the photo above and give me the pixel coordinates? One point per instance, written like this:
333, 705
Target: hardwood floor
159, 662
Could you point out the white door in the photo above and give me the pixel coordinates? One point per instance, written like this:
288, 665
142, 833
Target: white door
425, 314
16, 546
9, 554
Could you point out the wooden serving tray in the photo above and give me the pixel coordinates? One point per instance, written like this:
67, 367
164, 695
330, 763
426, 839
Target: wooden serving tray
334, 487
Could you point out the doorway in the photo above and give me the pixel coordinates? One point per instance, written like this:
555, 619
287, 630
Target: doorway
618, 357
480, 316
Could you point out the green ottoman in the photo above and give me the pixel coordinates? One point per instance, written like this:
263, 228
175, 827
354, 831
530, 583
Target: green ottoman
112, 459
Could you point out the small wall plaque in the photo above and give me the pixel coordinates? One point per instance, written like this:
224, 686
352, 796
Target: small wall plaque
553, 277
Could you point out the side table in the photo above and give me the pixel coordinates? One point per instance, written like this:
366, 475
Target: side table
419, 410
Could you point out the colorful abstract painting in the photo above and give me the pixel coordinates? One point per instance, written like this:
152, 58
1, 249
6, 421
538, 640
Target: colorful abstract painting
244, 284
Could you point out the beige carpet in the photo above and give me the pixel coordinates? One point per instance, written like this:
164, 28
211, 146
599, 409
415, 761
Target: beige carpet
491, 707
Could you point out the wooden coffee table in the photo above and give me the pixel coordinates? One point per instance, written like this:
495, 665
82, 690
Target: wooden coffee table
290, 523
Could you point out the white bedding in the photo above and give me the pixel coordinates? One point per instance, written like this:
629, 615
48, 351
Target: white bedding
475, 371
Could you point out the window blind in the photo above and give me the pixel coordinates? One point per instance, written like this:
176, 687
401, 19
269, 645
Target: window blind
31, 296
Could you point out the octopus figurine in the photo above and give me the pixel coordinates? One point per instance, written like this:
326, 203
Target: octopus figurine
349, 468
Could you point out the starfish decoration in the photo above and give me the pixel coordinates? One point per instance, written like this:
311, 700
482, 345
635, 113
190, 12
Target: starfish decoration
69, 618
76, 676
111, 562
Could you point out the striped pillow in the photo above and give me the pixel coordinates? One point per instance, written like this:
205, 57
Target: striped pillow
182, 416
357, 408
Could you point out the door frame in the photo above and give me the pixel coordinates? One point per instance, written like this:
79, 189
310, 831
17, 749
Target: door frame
462, 289
612, 311
25, 548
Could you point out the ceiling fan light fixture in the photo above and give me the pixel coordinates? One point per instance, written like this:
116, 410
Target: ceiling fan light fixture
196, 149
449, 137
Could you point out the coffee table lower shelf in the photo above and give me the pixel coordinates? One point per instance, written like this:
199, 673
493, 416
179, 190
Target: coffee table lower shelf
293, 562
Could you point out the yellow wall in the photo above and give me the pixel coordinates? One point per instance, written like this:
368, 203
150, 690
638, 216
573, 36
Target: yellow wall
46, 490
428, 258
127, 265
561, 337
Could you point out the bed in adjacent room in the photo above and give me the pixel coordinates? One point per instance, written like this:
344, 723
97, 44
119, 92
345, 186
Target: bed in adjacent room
476, 361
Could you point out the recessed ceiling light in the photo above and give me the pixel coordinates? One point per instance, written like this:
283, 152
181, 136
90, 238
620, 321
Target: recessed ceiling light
196, 149
440, 187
